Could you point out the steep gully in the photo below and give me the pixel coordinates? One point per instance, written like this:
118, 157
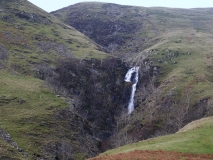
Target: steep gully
132, 76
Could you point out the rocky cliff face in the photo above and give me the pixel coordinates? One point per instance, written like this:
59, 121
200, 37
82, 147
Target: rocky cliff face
99, 93
95, 86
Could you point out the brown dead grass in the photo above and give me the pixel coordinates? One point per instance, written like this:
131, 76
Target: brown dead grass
155, 155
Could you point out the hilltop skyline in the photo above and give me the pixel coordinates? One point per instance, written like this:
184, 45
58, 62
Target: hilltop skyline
45, 5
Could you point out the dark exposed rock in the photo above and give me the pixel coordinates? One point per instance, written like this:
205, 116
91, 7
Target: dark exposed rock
8, 18
96, 88
58, 48
84, 134
31, 17
6, 137
21, 101
64, 151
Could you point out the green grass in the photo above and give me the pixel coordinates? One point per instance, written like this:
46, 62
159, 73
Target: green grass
25, 101
190, 70
27, 105
24, 106
197, 139
22, 33
7, 151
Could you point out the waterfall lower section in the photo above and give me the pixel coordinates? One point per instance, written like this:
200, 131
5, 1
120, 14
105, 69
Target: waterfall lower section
132, 76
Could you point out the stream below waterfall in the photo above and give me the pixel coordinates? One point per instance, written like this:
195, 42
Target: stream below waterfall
132, 76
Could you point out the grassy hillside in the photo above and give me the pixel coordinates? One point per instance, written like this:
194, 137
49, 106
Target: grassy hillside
173, 48
28, 32
33, 119
181, 88
9, 152
26, 109
193, 138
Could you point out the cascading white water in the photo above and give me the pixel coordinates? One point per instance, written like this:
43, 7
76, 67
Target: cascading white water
134, 80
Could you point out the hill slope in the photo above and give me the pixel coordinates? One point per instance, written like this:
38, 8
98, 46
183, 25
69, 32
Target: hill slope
173, 49
37, 114
62, 97
193, 138
129, 29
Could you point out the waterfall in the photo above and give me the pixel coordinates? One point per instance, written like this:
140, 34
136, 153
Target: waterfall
132, 76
